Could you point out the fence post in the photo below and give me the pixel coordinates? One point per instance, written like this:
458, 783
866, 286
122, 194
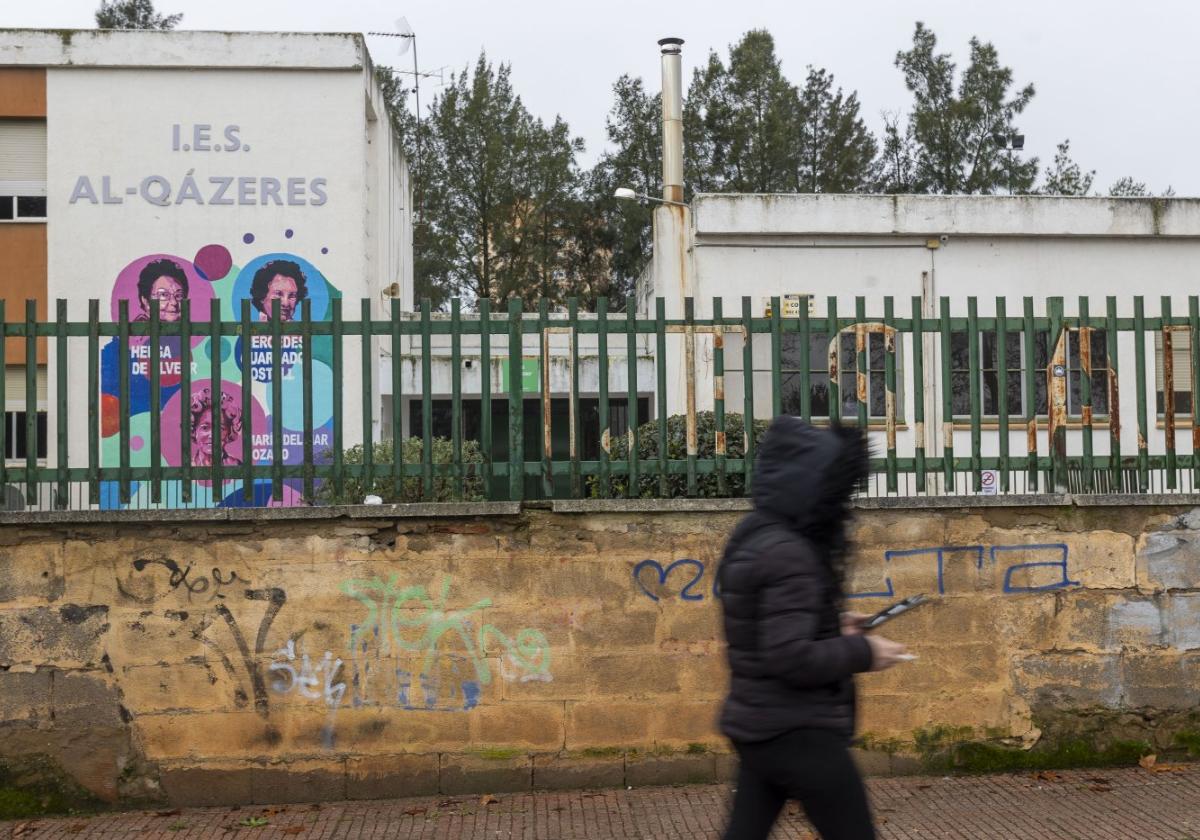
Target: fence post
64, 492
1139, 360
918, 334
516, 432
1116, 469
1168, 362
485, 392
456, 438
602, 363
427, 494
689, 354
247, 370
1002, 387
547, 436
719, 443
947, 397
973, 388
748, 394
1058, 395
94, 397
631, 409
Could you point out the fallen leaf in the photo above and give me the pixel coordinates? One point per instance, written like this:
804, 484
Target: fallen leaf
21, 828
1168, 768
172, 813
1100, 788
1097, 780
488, 799
446, 803
1047, 776
78, 827
412, 812
293, 829
1148, 761
924, 787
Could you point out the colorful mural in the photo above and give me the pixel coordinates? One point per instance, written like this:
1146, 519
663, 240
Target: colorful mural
212, 275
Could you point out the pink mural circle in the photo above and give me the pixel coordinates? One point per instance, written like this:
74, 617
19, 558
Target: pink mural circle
169, 279
213, 262
291, 498
233, 426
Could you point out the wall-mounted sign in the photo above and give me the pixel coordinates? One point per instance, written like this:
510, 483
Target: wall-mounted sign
225, 190
531, 375
790, 306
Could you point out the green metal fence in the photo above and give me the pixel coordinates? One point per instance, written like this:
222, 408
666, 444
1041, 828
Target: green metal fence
953, 401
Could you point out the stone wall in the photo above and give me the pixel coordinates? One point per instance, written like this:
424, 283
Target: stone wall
236, 656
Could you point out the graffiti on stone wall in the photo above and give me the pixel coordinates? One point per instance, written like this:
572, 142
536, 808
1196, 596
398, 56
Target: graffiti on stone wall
1031, 568
659, 574
410, 651
413, 651
238, 654
320, 680
1044, 556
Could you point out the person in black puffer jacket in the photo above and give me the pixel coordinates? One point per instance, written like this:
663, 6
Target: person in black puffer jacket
791, 707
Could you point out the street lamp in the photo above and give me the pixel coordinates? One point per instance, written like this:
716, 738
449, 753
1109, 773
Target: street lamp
1009, 143
627, 194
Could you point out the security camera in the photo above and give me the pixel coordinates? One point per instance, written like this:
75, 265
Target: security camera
943, 239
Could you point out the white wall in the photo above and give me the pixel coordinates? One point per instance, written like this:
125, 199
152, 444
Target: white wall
875, 246
118, 123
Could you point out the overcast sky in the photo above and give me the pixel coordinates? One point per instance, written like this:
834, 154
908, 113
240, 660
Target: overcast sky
1119, 78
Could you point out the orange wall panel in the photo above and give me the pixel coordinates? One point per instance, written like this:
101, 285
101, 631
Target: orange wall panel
22, 278
22, 92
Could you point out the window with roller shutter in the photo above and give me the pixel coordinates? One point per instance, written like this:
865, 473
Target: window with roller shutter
22, 170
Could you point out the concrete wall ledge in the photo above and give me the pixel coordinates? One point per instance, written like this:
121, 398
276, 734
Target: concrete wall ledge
460, 510
421, 510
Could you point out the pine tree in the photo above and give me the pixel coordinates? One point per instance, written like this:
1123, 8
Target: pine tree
954, 130
133, 14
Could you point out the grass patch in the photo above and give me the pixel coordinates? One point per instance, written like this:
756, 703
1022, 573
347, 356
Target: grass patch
499, 754
602, 752
15, 804
981, 757
696, 749
1189, 739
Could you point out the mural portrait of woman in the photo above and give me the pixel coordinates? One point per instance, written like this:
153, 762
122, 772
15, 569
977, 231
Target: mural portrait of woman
166, 282
203, 427
280, 280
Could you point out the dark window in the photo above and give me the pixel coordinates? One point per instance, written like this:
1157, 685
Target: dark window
818, 374
1181, 371
31, 207
15, 438
1014, 378
589, 416
6, 208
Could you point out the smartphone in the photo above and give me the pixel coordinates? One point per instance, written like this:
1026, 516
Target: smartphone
898, 608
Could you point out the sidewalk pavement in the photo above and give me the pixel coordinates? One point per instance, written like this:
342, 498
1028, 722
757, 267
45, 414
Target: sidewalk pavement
1127, 803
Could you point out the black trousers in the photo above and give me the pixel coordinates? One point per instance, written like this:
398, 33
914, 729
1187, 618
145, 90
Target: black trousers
810, 765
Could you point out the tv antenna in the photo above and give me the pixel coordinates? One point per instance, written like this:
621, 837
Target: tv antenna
409, 39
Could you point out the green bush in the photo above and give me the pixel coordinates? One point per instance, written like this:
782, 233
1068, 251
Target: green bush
445, 486
706, 483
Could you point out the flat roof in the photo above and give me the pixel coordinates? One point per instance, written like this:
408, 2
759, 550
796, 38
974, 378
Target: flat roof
791, 214
182, 49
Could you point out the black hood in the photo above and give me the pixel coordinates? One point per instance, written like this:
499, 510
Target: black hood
807, 474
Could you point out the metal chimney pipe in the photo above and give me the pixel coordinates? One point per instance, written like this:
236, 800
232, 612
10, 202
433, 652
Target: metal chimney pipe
672, 116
